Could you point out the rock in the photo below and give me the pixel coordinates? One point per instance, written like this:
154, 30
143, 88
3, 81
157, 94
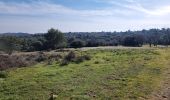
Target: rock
164, 96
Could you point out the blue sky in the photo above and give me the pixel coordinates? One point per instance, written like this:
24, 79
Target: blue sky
34, 16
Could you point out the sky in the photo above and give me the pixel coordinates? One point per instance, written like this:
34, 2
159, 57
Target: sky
37, 16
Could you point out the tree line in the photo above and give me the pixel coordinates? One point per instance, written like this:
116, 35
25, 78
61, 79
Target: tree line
152, 37
55, 39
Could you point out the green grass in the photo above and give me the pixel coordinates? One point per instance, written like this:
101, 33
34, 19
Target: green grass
127, 74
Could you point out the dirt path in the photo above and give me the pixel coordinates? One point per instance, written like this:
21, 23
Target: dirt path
164, 92
112, 47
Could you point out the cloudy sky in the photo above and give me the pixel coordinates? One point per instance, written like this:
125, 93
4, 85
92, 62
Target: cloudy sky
34, 16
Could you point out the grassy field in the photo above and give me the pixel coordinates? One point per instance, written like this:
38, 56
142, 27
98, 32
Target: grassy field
121, 74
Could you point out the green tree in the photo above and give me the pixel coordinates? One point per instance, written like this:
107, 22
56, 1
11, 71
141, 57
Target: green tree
77, 43
9, 44
133, 40
55, 39
165, 39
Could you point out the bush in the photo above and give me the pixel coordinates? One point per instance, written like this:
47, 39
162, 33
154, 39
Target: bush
79, 59
13, 61
71, 56
82, 58
22, 60
77, 44
41, 57
86, 57
64, 62
27, 59
133, 40
3, 74
68, 58
55, 57
96, 62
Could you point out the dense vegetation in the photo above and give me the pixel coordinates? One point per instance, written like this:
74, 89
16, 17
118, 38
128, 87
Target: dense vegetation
54, 39
129, 38
123, 74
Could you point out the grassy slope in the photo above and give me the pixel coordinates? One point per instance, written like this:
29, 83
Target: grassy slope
111, 74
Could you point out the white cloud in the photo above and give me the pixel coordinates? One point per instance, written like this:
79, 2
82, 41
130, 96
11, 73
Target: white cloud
40, 8
46, 8
127, 8
120, 15
161, 10
33, 8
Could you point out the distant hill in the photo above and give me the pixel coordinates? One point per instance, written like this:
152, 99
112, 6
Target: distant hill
17, 34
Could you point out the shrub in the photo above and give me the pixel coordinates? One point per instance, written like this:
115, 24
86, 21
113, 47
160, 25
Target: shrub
3, 74
82, 58
96, 62
11, 61
79, 59
77, 44
41, 57
22, 60
71, 56
86, 57
64, 62
55, 57
26, 59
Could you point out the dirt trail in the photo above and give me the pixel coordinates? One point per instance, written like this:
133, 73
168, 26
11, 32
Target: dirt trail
164, 92
112, 47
